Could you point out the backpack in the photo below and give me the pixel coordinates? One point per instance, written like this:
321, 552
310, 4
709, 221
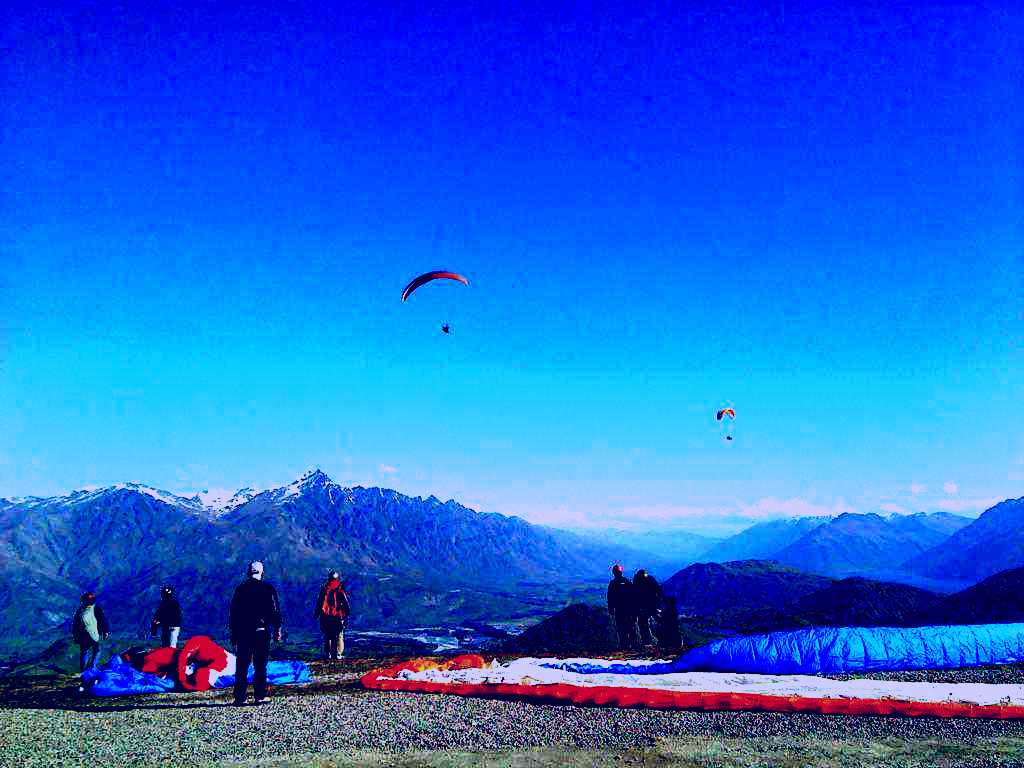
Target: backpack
335, 601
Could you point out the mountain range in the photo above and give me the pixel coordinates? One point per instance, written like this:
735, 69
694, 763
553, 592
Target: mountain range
994, 542
407, 561
865, 543
856, 544
762, 540
412, 561
667, 550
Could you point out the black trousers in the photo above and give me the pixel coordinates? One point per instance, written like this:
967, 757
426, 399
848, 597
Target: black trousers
625, 626
252, 649
88, 655
643, 622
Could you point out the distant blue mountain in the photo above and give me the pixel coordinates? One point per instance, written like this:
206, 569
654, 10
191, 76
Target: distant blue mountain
657, 550
993, 542
865, 543
763, 540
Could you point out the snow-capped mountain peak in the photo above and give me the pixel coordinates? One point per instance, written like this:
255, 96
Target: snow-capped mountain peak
90, 494
223, 500
312, 481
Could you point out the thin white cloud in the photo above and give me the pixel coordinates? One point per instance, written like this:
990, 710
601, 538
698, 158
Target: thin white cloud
771, 508
917, 489
966, 505
890, 507
950, 487
717, 520
387, 469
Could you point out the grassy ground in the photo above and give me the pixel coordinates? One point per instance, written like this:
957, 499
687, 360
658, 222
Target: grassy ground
704, 753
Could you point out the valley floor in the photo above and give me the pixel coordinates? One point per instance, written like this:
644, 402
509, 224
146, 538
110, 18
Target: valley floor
334, 722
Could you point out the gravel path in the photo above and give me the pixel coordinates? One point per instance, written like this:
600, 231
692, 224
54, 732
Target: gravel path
335, 715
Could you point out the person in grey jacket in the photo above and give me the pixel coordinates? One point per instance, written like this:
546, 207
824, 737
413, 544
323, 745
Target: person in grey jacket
88, 627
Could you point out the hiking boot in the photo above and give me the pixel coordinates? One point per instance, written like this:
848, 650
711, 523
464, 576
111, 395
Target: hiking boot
264, 700
237, 703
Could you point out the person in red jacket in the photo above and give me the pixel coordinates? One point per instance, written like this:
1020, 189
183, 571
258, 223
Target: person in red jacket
332, 610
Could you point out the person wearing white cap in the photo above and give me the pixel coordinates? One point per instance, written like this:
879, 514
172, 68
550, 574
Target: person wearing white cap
255, 619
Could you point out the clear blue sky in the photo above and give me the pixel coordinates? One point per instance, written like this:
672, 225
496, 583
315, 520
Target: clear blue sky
815, 217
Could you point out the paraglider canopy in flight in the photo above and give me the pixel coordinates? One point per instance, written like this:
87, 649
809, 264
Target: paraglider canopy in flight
726, 412
427, 277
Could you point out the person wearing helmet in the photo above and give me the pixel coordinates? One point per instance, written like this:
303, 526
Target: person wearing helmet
88, 627
255, 620
331, 611
622, 607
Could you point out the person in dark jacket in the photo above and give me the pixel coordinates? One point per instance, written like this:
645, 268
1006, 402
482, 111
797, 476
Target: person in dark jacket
668, 625
331, 611
88, 627
648, 603
255, 620
167, 618
622, 607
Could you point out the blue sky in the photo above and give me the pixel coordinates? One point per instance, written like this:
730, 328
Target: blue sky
814, 217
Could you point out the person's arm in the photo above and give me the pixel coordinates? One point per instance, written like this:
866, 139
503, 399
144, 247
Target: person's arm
275, 613
235, 617
319, 602
101, 623
611, 604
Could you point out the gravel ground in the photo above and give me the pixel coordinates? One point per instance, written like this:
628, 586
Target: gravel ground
43, 726
1003, 675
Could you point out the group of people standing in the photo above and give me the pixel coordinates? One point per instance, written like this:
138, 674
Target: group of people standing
636, 607
254, 620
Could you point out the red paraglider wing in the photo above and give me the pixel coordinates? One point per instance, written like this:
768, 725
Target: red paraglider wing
731, 413
426, 278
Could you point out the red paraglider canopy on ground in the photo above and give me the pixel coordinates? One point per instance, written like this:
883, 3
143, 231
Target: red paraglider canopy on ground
396, 679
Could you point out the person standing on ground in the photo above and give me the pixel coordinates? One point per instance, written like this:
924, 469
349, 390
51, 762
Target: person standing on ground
332, 610
255, 620
88, 627
167, 618
622, 607
668, 625
648, 603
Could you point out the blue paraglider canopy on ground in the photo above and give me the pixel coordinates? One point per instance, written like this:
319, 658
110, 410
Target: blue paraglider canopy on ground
119, 678
830, 650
